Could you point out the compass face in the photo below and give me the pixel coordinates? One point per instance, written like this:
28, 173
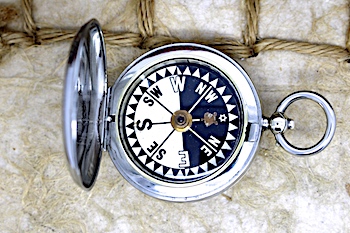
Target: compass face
181, 122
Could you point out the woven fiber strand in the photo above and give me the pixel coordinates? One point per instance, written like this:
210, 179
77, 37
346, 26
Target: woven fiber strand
145, 14
279, 193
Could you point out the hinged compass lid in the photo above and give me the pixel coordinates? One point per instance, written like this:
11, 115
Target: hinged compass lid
85, 103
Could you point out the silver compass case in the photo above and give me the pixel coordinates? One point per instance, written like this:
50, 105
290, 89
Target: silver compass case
181, 123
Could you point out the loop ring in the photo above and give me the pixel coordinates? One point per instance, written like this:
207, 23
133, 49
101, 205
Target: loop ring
331, 123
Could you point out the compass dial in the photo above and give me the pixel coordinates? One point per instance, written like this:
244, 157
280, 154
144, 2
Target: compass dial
181, 122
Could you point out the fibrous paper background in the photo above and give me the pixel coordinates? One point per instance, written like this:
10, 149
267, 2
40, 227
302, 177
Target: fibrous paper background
280, 192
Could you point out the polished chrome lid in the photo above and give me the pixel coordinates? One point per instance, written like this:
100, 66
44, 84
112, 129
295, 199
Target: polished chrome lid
84, 104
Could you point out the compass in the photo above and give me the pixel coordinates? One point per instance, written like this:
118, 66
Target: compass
181, 123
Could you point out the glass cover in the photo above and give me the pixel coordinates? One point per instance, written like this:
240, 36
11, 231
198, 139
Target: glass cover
84, 104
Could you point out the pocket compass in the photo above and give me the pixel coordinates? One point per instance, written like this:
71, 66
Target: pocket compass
181, 123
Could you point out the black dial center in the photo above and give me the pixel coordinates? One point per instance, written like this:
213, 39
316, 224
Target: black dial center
180, 119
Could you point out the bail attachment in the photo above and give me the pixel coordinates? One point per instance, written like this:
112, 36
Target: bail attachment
278, 123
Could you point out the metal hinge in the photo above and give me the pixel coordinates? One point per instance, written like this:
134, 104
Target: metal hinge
107, 119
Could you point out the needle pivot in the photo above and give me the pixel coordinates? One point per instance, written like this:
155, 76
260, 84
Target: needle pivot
181, 120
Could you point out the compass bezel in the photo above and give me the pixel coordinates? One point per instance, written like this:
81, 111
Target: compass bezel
216, 182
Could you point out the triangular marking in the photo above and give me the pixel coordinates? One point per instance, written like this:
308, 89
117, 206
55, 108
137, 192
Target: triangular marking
167, 73
143, 89
137, 98
133, 100
133, 106
157, 165
136, 150
178, 71
204, 166
176, 172
144, 83
165, 170
195, 170
196, 74
220, 154
230, 107
129, 131
150, 165
130, 126
149, 160
161, 72
229, 137
206, 77
137, 91
142, 158
190, 173
231, 127
132, 142
159, 170
213, 161
225, 146
133, 135
231, 117
227, 98
136, 144
187, 71
200, 170
131, 116
214, 83
169, 173
129, 110
186, 169
221, 89
142, 152
171, 69
153, 77
158, 77
128, 120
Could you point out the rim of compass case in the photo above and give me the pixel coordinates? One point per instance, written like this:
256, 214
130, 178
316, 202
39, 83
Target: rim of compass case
88, 128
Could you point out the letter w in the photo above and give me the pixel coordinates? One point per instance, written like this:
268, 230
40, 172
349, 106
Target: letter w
178, 83
156, 92
211, 96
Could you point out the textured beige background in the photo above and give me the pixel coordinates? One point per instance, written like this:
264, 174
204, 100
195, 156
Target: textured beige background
280, 193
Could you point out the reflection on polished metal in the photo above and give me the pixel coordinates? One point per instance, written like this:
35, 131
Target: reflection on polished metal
84, 104
278, 123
